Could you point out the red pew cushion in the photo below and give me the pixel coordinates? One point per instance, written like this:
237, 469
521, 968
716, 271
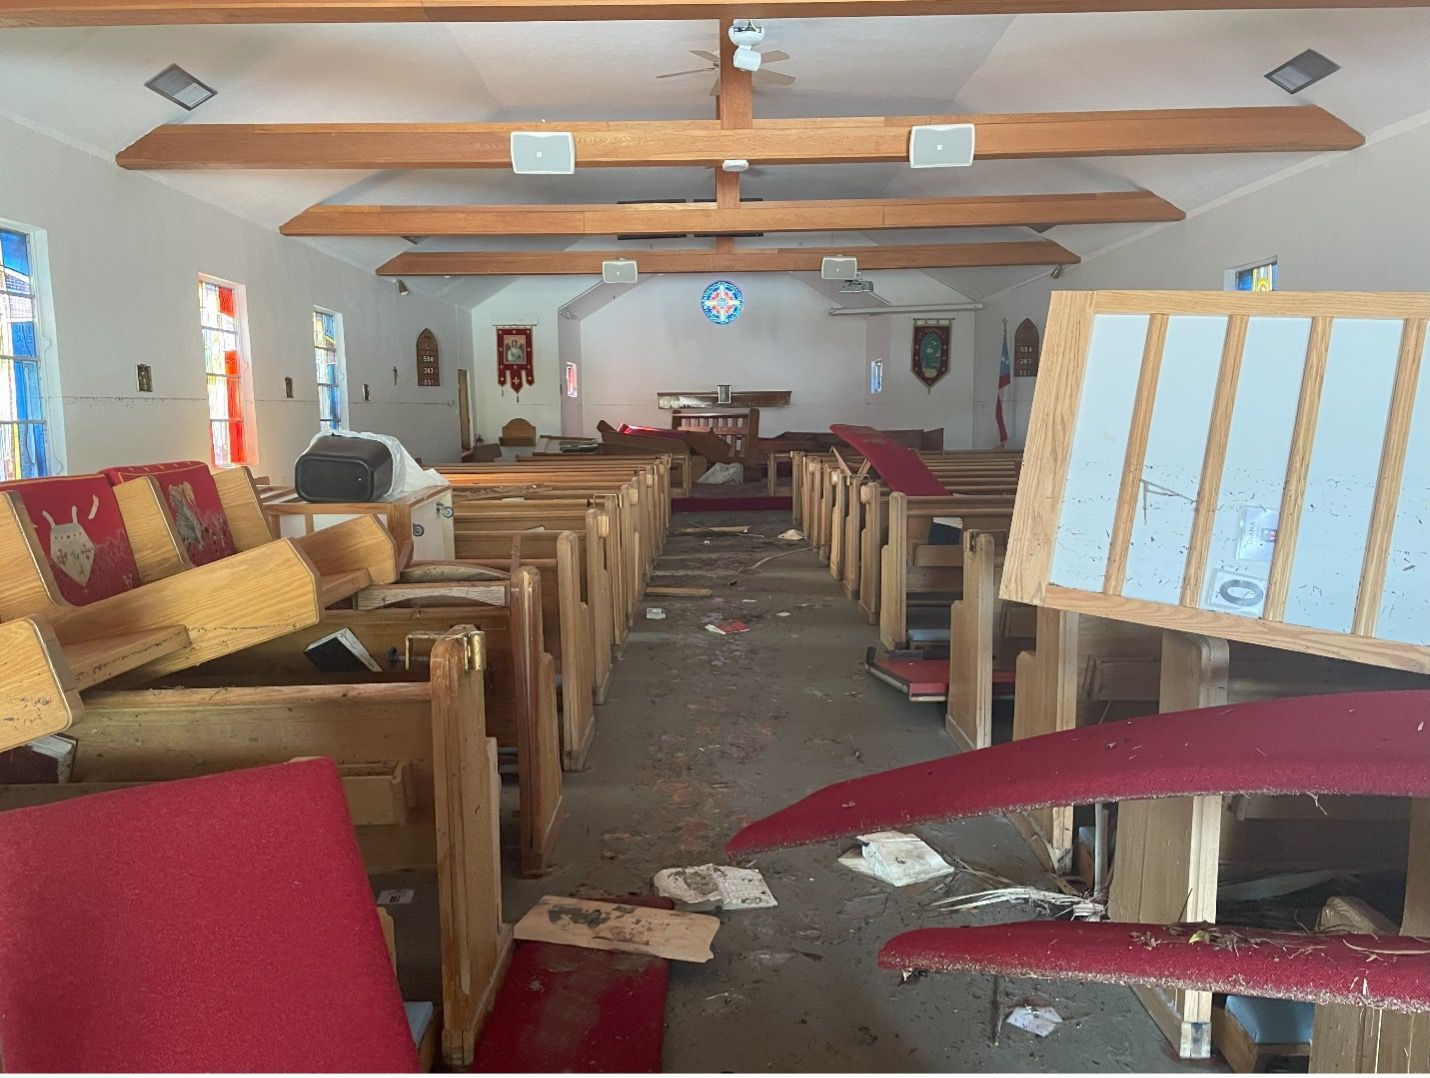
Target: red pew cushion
82, 532
220, 924
192, 499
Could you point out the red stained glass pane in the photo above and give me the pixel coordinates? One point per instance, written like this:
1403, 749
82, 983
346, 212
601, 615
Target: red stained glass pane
236, 452
230, 364
225, 301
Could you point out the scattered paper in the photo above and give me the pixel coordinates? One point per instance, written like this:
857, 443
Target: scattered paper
710, 887
654, 613
782, 614
896, 857
1039, 1021
728, 628
793, 535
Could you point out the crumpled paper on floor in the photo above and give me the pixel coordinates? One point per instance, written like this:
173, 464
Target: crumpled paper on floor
710, 887
897, 858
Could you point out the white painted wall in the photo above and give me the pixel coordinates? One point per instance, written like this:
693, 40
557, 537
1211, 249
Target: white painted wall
653, 337
1354, 221
125, 253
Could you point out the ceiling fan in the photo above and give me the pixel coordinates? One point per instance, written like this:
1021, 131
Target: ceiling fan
762, 77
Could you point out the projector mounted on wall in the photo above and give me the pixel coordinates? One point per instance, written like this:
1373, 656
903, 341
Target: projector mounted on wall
619, 271
839, 268
543, 153
941, 146
859, 285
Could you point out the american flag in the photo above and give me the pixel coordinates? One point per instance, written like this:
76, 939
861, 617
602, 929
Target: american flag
1005, 378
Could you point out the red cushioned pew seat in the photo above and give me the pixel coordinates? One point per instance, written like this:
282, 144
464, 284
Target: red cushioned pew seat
81, 530
192, 500
216, 924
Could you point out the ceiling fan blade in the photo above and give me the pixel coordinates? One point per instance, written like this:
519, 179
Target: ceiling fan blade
705, 55
715, 88
677, 74
773, 78
774, 57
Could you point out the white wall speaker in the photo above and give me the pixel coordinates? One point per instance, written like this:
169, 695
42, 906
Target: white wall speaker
619, 271
839, 268
941, 146
543, 153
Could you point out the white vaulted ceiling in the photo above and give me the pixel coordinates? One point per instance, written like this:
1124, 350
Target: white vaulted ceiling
87, 86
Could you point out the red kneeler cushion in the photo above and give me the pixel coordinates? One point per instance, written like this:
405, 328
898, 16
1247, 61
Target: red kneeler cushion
82, 532
192, 499
220, 924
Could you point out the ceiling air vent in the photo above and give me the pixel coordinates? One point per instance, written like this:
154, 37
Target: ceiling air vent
1301, 71
180, 87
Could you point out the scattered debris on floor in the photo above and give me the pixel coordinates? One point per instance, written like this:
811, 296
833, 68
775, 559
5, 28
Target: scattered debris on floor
654, 613
679, 593
618, 926
727, 628
732, 529
1050, 903
711, 887
794, 535
897, 858
1039, 1021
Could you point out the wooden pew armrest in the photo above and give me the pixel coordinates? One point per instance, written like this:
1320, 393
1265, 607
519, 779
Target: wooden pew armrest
360, 543
38, 694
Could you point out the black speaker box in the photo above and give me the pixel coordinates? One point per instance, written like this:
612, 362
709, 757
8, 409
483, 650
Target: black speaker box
338, 469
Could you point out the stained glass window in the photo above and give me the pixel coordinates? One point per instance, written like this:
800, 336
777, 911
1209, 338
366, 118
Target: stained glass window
1260, 278
332, 380
23, 451
225, 368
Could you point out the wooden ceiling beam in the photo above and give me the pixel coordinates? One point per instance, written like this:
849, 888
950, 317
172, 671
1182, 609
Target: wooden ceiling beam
814, 215
706, 143
744, 259
30, 13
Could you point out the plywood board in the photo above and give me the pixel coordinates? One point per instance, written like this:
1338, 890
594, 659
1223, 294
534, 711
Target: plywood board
616, 926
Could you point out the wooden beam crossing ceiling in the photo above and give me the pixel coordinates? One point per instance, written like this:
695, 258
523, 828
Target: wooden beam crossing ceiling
706, 143
22, 13
746, 259
814, 215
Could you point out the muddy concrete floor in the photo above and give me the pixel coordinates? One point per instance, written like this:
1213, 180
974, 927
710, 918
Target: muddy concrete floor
701, 733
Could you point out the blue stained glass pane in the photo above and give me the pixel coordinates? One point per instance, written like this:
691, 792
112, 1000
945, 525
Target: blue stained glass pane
24, 338
15, 251
27, 391
34, 461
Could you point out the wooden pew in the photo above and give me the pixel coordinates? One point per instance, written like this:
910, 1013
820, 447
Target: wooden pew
419, 771
520, 686
985, 637
574, 613
909, 563
160, 625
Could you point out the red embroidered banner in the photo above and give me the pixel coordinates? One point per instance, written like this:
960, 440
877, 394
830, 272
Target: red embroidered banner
515, 362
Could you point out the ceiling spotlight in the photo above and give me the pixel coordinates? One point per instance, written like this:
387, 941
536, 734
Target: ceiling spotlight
1301, 71
180, 87
402, 288
745, 35
1057, 272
